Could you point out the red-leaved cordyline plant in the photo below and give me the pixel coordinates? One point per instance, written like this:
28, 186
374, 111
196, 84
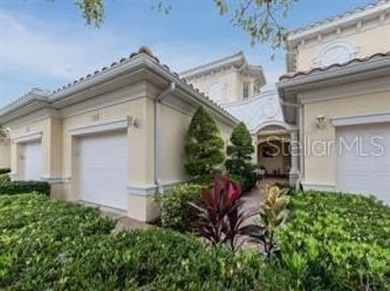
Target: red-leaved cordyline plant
221, 218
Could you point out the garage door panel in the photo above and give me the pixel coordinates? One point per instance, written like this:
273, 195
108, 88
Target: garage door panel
103, 170
364, 165
32, 153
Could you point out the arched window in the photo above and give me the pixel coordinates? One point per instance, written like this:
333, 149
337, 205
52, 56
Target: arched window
336, 53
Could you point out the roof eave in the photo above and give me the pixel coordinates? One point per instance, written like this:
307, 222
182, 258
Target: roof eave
346, 72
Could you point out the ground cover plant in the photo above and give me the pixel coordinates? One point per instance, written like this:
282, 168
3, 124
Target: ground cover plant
57, 245
329, 242
336, 241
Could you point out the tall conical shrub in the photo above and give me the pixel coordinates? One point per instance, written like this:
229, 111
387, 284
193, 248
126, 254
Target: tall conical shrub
240, 152
204, 146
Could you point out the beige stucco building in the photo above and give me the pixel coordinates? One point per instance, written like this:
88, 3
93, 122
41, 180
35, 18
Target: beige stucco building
116, 137
5, 159
337, 92
112, 138
238, 86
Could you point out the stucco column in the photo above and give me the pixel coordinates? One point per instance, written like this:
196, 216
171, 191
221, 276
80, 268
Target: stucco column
294, 150
254, 155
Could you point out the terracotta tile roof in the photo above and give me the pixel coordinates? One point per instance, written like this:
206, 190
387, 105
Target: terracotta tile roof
214, 63
47, 94
293, 75
339, 16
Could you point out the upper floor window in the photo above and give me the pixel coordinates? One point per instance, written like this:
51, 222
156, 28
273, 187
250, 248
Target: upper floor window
336, 53
245, 90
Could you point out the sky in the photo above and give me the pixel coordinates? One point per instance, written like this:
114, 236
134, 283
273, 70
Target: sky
46, 44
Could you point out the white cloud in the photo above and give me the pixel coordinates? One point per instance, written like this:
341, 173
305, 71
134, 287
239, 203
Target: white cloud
30, 45
65, 51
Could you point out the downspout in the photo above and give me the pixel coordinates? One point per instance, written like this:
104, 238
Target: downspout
303, 143
157, 136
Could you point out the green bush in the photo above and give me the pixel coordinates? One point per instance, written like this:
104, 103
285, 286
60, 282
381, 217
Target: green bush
63, 246
240, 152
5, 171
204, 146
5, 178
336, 241
19, 187
174, 208
330, 242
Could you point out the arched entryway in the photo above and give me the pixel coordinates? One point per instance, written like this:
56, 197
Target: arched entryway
275, 152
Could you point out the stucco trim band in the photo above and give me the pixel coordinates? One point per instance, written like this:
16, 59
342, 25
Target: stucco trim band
318, 186
56, 180
100, 127
148, 190
361, 119
28, 137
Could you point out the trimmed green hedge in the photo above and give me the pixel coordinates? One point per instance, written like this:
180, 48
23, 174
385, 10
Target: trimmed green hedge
19, 187
5, 171
56, 245
330, 242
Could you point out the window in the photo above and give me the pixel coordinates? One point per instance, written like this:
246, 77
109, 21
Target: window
245, 90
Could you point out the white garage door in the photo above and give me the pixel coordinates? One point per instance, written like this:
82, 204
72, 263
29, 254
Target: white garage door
103, 170
32, 153
363, 161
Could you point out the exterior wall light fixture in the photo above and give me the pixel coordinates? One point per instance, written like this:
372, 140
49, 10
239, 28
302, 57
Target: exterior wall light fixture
320, 121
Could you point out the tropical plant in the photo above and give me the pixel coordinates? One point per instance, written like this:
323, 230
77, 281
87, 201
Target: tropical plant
273, 212
221, 219
240, 152
204, 146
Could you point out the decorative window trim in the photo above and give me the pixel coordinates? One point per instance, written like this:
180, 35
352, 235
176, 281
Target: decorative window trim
352, 50
223, 90
100, 127
361, 119
28, 137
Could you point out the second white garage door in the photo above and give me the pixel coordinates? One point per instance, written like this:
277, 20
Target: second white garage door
363, 160
103, 170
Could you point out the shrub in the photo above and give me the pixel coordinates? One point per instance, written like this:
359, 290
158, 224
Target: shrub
220, 218
203, 146
54, 245
5, 171
174, 208
240, 153
18, 187
336, 241
5, 178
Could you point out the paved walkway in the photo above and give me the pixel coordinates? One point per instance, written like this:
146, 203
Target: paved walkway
124, 222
